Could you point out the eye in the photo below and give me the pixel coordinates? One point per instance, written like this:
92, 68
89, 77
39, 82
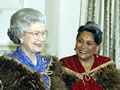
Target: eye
36, 33
80, 41
43, 33
90, 43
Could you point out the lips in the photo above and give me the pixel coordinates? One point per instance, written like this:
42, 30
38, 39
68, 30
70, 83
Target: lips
83, 51
38, 45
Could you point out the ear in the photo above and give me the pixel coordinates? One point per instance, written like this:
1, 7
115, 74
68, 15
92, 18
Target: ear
97, 49
21, 39
75, 47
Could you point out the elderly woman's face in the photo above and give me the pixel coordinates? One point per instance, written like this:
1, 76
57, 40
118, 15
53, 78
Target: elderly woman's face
33, 40
85, 46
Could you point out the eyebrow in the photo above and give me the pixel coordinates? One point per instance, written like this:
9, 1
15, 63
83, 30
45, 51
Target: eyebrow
86, 40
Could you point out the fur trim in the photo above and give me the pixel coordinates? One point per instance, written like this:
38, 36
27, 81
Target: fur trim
60, 79
108, 77
16, 76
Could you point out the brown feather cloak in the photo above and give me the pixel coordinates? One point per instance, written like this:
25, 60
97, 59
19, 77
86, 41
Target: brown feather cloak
16, 76
106, 75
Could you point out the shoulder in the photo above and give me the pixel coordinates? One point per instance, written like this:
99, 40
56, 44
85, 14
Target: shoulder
12, 71
59, 77
12, 54
102, 59
69, 61
68, 58
43, 58
45, 55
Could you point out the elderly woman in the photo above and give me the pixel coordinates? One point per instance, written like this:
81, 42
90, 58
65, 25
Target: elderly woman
27, 30
96, 72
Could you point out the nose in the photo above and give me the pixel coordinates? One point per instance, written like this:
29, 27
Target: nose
83, 45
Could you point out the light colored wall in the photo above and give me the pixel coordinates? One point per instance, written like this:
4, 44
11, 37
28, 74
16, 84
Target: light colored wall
36, 4
7, 8
69, 11
52, 16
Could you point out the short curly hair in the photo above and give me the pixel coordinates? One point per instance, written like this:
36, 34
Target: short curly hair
21, 21
94, 29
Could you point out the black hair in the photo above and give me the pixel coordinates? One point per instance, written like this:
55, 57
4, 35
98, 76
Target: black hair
94, 29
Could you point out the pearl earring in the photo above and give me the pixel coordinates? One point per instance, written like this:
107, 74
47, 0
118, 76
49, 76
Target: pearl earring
21, 41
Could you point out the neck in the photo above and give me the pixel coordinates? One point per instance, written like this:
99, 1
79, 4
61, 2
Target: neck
29, 54
87, 64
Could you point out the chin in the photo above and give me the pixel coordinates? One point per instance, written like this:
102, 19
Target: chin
37, 50
83, 57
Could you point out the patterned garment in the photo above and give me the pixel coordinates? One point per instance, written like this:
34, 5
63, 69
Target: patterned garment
41, 66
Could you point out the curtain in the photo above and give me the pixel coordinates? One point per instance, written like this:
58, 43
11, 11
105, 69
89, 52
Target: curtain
105, 13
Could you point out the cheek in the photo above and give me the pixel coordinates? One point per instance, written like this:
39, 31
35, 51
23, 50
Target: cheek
28, 41
29, 38
77, 45
93, 48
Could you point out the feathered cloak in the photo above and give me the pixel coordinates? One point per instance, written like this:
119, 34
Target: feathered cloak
16, 76
106, 75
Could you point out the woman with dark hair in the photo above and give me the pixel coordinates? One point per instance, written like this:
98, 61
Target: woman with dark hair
95, 72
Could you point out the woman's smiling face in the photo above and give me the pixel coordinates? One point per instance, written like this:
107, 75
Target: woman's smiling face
31, 44
85, 45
